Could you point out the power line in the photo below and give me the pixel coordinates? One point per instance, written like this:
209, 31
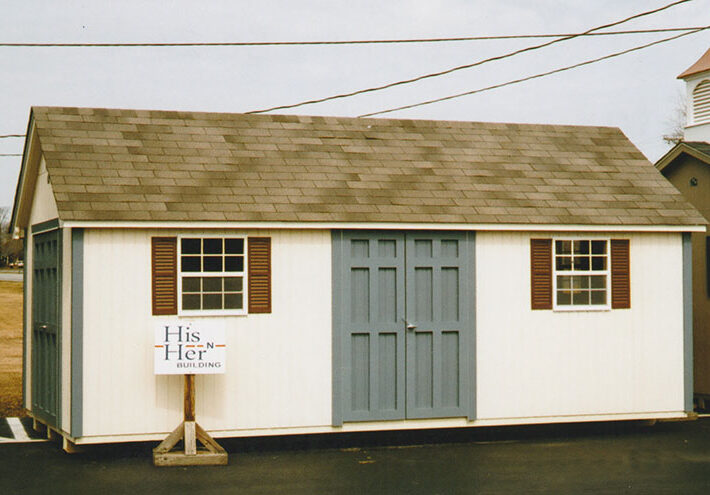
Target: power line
466, 66
542, 74
335, 42
3, 136
501, 85
10, 154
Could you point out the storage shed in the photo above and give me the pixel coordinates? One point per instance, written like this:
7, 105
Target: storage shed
371, 274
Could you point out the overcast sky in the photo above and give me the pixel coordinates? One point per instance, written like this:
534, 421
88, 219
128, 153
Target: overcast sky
637, 92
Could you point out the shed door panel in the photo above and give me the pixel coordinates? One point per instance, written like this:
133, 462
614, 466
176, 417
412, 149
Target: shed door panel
405, 330
46, 313
437, 330
374, 333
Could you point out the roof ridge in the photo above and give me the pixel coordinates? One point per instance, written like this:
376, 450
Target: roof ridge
292, 118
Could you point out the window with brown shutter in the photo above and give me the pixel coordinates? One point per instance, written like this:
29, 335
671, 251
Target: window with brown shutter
259, 275
620, 274
164, 275
580, 274
541, 273
206, 275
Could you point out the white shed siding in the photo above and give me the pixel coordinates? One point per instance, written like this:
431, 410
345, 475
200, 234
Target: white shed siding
43, 205
547, 363
531, 366
278, 365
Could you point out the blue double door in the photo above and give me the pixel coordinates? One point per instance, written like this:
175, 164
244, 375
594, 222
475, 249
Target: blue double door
404, 324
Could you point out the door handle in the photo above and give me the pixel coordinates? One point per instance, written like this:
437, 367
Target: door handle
410, 326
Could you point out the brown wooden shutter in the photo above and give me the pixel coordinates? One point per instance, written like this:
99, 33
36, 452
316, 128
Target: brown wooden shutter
259, 262
620, 274
541, 273
164, 275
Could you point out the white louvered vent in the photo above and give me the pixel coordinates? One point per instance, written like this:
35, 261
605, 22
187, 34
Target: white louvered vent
701, 102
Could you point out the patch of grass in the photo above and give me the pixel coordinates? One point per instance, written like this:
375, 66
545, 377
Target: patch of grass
11, 395
11, 349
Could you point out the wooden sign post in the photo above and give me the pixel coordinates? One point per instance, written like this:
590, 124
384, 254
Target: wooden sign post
189, 432
180, 347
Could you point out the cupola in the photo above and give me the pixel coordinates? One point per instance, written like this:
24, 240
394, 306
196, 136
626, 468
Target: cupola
697, 81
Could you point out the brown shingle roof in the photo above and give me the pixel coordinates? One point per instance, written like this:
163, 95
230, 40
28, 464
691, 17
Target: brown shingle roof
700, 146
134, 165
702, 65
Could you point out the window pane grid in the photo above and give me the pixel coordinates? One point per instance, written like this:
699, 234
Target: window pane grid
212, 293
581, 273
212, 255
212, 274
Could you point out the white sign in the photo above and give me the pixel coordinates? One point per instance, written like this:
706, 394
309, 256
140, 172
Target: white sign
187, 347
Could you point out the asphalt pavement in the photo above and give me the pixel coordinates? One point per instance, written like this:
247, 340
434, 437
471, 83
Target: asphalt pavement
595, 458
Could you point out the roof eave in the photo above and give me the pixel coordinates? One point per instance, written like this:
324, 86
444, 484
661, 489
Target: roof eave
30, 160
701, 72
678, 150
700, 66
519, 227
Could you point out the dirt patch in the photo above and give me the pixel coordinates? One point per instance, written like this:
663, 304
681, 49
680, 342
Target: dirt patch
11, 349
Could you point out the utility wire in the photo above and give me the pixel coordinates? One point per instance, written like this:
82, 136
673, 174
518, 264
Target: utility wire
10, 154
335, 42
501, 85
542, 74
467, 66
562, 37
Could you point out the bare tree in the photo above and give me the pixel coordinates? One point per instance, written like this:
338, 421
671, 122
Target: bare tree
676, 123
10, 249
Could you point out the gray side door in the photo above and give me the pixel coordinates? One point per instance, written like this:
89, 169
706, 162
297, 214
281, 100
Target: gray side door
46, 317
438, 326
373, 314
403, 332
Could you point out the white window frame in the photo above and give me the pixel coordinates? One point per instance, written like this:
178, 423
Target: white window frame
243, 274
555, 273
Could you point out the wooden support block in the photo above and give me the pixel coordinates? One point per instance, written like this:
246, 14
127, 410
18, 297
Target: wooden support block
53, 435
190, 439
208, 441
215, 455
71, 448
202, 458
691, 416
38, 426
170, 441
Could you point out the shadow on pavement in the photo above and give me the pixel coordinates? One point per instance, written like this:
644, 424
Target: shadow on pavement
405, 438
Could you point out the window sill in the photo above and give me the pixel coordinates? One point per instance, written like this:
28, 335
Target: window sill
578, 309
195, 314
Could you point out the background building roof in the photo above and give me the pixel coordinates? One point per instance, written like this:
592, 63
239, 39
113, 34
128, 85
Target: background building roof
133, 165
702, 65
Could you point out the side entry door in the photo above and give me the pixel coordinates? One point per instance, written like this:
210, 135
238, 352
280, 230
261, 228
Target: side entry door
438, 327
46, 317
